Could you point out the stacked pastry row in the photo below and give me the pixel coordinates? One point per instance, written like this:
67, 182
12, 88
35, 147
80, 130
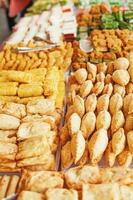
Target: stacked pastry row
21, 87
60, 57
99, 118
8, 185
28, 135
81, 183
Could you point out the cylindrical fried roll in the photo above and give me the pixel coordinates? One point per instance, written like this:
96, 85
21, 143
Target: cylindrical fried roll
30, 90
8, 90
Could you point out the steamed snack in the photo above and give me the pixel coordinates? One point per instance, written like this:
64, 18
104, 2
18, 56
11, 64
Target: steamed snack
30, 90
60, 57
40, 181
61, 194
28, 195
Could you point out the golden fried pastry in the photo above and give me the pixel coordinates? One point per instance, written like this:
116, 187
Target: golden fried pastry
118, 121
91, 103
32, 129
88, 124
8, 122
119, 89
97, 145
92, 70
61, 194
3, 186
85, 88
32, 147
41, 106
121, 77
60, 95
74, 123
76, 177
77, 146
8, 136
8, 150
116, 103
110, 156
66, 156
103, 120
128, 104
101, 191
30, 90
19, 76
26, 100
14, 109
8, 90
28, 195
103, 102
40, 181
78, 105
81, 75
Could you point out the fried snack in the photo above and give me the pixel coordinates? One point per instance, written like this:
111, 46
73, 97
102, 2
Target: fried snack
121, 77
90, 103
81, 75
129, 140
41, 106
8, 90
32, 147
12, 187
30, 90
118, 121
40, 181
77, 146
75, 177
92, 70
116, 103
125, 158
86, 88
119, 89
103, 103
3, 186
66, 156
98, 88
97, 145
128, 104
19, 76
8, 151
118, 141
14, 109
103, 120
88, 124
14, 99
32, 129
28, 195
8, 136
74, 123
129, 123
29, 99
8, 122
78, 105
60, 95
105, 191
61, 194
51, 81
110, 156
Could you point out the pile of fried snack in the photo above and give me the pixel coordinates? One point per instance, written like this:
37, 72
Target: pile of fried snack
28, 135
11, 60
23, 86
80, 183
107, 46
99, 119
